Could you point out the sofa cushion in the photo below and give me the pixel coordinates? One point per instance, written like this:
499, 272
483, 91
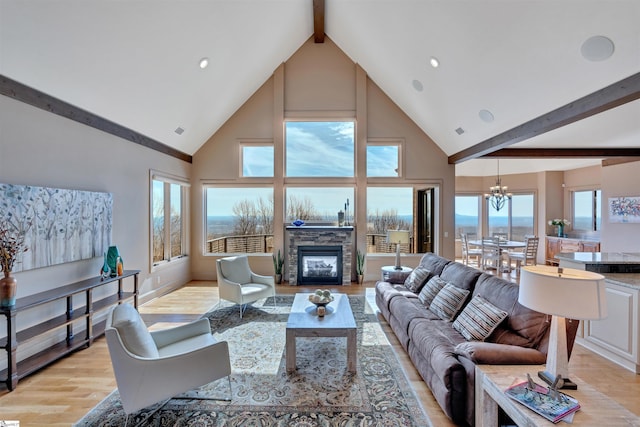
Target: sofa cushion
463, 276
430, 290
133, 332
523, 327
478, 319
416, 279
448, 302
434, 263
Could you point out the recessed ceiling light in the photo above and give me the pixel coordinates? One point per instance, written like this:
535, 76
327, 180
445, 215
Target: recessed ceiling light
204, 62
597, 48
486, 116
433, 61
417, 85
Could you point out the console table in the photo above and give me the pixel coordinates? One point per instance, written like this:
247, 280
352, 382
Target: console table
16, 370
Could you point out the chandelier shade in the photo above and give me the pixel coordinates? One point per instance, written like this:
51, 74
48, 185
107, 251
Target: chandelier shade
498, 194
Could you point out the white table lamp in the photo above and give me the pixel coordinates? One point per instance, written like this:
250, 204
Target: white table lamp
398, 237
562, 293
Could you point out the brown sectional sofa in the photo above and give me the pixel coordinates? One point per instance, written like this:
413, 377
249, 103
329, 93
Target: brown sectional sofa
443, 357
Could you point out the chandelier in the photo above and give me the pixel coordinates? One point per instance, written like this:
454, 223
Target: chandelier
498, 194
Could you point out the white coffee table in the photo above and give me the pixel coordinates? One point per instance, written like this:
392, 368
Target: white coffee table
304, 322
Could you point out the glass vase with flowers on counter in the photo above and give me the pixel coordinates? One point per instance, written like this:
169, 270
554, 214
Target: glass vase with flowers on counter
560, 224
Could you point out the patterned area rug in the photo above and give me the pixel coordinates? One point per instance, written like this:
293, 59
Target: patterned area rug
320, 393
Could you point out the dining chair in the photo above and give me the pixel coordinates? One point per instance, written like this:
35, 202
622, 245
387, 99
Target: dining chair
469, 252
491, 253
526, 257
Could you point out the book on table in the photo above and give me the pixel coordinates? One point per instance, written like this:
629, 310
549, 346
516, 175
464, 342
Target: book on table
553, 405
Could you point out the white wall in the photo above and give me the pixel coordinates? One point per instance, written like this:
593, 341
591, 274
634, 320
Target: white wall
42, 149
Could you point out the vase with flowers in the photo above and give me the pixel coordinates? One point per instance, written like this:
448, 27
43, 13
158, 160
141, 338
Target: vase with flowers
560, 224
11, 244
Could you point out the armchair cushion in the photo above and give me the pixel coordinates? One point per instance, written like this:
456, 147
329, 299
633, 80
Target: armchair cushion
236, 269
133, 332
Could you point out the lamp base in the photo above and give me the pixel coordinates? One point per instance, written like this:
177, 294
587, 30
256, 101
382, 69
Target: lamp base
548, 378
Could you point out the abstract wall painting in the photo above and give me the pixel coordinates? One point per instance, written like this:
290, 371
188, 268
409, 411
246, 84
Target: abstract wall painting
624, 209
59, 225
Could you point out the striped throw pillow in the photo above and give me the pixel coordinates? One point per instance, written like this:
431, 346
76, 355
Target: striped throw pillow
479, 319
417, 279
431, 289
448, 302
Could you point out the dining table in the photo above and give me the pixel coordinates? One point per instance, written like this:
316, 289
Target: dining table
502, 244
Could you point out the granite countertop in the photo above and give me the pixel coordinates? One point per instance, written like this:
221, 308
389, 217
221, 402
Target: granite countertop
628, 280
600, 257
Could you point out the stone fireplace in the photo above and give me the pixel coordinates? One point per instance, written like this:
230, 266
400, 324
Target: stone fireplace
319, 246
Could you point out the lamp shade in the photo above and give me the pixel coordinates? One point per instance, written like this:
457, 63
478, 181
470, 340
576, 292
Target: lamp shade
398, 236
565, 292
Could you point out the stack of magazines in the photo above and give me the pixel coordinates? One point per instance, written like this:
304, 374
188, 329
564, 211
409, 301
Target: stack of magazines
551, 404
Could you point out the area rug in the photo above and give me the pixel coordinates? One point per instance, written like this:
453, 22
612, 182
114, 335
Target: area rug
321, 392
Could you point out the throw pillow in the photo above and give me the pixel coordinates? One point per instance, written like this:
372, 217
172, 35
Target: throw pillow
448, 302
416, 280
431, 289
478, 319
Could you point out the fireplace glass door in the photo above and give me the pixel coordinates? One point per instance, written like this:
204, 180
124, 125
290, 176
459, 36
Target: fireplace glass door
319, 265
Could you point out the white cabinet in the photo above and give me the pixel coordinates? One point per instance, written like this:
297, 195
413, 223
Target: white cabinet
617, 336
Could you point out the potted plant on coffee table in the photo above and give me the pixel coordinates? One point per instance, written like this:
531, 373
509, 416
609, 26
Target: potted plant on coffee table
278, 263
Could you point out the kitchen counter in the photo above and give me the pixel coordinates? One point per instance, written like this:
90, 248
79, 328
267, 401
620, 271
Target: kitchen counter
601, 262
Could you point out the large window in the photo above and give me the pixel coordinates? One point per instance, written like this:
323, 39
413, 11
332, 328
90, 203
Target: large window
320, 204
320, 149
467, 215
587, 210
239, 219
522, 210
515, 219
168, 205
388, 208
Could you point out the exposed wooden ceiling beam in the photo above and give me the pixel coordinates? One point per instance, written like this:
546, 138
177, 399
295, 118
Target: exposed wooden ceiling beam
34, 97
612, 96
318, 21
532, 153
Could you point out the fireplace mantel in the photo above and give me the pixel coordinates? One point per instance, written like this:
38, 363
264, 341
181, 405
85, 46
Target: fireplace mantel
320, 235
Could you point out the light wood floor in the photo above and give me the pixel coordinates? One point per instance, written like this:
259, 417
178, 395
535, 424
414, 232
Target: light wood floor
62, 393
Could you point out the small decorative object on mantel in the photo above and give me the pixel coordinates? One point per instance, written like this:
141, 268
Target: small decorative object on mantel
298, 223
560, 223
340, 218
11, 244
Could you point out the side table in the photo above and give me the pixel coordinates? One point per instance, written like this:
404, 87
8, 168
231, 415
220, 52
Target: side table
391, 275
596, 409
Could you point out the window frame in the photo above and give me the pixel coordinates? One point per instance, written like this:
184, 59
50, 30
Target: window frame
167, 180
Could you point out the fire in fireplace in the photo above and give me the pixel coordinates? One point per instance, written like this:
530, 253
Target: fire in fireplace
321, 265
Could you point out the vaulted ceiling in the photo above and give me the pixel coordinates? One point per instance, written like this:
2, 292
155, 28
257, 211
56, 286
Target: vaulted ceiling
502, 64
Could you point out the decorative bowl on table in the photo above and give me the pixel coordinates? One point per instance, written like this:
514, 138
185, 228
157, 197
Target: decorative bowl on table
321, 298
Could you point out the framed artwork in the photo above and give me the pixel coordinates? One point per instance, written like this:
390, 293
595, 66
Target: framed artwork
59, 225
624, 209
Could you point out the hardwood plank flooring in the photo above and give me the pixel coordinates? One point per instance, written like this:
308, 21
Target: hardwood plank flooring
63, 392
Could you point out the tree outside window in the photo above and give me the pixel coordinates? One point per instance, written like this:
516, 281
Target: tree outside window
168, 199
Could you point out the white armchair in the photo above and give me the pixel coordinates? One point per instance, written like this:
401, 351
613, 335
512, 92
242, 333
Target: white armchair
238, 284
154, 366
